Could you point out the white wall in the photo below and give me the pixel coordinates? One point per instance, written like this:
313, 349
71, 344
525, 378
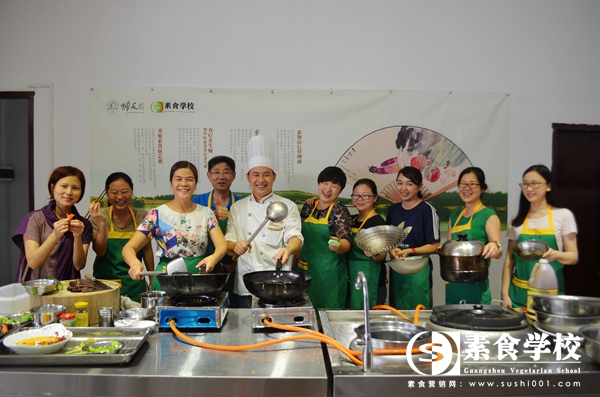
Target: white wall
544, 53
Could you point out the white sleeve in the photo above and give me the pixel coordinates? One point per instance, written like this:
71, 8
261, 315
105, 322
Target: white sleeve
232, 227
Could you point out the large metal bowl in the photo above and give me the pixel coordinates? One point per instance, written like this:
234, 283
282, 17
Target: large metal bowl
591, 333
47, 314
530, 250
379, 239
409, 265
40, 287
564, 324
137, 313
390, 335
567, 305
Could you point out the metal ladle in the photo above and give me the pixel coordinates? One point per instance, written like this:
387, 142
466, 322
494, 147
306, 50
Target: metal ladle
276, 212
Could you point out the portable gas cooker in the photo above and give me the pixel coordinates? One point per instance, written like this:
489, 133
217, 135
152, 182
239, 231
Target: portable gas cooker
298, 312
194, 313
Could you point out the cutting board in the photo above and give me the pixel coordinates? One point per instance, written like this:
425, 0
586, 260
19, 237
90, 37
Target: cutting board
96, 299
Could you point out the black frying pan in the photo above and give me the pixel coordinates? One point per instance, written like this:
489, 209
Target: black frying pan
194, 285
276, 285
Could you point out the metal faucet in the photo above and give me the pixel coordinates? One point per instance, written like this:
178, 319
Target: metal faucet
361, 281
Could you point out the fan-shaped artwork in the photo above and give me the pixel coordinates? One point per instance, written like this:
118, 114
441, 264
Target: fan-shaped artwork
382, 153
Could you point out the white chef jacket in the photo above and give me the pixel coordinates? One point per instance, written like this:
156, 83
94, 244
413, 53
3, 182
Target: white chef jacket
245, 217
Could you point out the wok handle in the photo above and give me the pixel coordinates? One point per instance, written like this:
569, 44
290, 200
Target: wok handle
154, 273
252, 237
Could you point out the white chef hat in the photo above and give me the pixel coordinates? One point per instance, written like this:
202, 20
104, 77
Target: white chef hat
261, 152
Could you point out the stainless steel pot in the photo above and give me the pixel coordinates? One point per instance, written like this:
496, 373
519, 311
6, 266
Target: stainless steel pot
47, 314
567, 305
390, 335
591, 335
462, 261
564, 324
489, 322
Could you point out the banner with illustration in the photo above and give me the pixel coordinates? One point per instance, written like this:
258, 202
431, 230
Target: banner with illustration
142, 131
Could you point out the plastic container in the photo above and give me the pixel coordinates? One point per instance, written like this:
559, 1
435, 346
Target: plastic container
542, 281
82, 318
14, 299
68, 319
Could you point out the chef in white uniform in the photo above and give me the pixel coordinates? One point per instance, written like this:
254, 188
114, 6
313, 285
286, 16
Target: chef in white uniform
276, 240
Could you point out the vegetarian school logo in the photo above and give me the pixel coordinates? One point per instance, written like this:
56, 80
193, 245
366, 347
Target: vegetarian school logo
439, 356
157, 107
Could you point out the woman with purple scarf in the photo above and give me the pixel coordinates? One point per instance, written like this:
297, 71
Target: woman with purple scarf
54, 240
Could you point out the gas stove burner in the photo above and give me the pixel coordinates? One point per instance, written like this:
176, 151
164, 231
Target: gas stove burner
194, 301
299, 301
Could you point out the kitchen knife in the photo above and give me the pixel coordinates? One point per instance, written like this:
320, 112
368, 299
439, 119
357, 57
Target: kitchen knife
100, 286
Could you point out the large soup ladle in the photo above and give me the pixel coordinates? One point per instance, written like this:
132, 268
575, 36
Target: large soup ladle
276, 212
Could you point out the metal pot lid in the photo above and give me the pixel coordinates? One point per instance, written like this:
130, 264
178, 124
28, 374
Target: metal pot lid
461, 247
478, 318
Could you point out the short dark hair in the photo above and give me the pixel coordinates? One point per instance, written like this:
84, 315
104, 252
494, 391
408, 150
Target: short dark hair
183, 164
115, 176
63, 172
221, 159
414, 175
334, 175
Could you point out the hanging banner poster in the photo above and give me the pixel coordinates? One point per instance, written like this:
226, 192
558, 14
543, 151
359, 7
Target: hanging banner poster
142, 131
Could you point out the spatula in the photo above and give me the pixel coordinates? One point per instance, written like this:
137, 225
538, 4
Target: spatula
176, 265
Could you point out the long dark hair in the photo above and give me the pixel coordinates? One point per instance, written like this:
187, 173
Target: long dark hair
524, 204
414, 175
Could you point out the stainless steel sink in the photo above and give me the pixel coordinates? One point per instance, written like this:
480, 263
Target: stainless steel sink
340, 325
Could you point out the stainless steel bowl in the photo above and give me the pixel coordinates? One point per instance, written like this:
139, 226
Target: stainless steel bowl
564, 324
567, 305
151, 299
530, 250
389, 335
40, 287
47, 314
409, 265
591, 334
137, 314
379, 239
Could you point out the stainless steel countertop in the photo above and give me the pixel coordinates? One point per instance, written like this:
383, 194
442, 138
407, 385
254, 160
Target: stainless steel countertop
170, 367
394, 376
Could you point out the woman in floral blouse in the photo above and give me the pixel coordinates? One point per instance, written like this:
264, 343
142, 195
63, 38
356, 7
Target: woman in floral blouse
181, 228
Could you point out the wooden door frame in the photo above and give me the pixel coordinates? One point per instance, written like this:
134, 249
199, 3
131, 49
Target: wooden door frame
28, 95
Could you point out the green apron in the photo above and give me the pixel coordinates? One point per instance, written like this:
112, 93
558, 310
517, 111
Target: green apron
359, 262
478, 292
111, 265
327, 268
228, 260
518, 287
190, 263
408, 291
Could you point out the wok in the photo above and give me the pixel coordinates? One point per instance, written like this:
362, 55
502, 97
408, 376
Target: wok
183, 284
272, 286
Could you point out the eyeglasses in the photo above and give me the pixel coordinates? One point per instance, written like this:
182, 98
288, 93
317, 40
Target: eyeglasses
533, 185
471, 185
116, 193
225, 173
363, 197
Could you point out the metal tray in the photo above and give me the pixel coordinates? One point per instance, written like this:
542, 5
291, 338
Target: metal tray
132, 339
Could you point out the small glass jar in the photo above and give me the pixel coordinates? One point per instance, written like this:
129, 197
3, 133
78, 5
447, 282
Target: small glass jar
68, 319
81, 314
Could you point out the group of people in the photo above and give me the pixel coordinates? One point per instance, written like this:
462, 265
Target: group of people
214, 227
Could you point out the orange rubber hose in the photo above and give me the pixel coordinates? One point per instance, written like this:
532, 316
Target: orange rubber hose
335, 344
417, 309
